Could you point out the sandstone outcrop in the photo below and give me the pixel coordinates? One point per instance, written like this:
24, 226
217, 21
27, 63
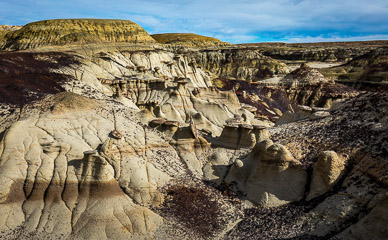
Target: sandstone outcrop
74, 178
269, 176
322, 52
327, 171
307, 86
303, 112
345, 208
366, 71
70, 31
241, 135
9, 28
303, 76
240, 64
267, 103
321, 95
179, 92
216, 168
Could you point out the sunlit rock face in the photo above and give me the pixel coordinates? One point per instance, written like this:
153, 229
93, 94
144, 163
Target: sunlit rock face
74, 31
76, 175
242, 64
270, 176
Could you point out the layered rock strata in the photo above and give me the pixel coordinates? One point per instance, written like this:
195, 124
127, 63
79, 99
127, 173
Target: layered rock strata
270, 176
240, 64
70, 31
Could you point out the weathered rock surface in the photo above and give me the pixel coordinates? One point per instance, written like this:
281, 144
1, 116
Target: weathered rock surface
68, 183
270, 176
327, 171
345, 208
268, 103
240, 64
373, 226
366, 71
307, 86
322, 52
303, 76
70, 31
9, 28
241, 135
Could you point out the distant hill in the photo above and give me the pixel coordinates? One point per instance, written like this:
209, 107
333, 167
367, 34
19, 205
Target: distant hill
73, 31
320, 51
188, 39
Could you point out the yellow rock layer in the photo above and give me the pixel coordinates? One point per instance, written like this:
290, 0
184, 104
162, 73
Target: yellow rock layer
74, 31
188, 39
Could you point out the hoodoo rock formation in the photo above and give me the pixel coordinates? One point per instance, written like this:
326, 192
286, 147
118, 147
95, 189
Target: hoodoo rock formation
107, 134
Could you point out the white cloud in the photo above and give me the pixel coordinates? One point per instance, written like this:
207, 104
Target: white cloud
309, 39
237, 21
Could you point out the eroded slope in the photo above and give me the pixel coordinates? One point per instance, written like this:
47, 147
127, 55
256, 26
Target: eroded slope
74, 31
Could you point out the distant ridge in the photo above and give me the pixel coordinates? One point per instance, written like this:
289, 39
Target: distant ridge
188, 39
376, 43
73, 31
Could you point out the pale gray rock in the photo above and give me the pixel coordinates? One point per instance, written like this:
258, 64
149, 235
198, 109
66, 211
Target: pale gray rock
270, 176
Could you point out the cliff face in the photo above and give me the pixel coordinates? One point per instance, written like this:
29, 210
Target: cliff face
369, 70
322, 52
241, 64
317, 54
307, 86
70, 31
188, 40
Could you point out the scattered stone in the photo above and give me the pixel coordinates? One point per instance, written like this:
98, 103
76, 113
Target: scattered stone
318, 115
116, 134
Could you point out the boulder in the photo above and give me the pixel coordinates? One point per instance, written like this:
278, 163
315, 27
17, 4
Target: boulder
327, 171
269, 176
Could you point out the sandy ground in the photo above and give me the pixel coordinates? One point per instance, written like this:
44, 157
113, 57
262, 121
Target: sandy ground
271, 81
293, 66
324, 64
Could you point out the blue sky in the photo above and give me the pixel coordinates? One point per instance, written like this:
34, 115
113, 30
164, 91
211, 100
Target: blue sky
229, 20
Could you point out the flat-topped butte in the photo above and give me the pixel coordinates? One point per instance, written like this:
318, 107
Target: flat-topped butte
188, 39
74, 31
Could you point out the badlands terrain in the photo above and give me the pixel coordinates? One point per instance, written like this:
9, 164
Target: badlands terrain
107, 132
